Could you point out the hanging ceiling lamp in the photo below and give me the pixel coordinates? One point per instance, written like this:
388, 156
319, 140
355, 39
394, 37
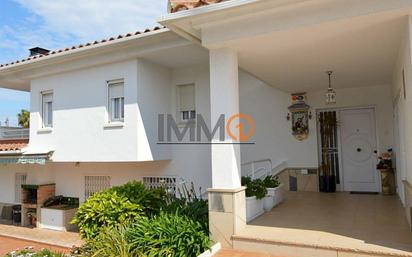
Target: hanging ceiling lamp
330, 94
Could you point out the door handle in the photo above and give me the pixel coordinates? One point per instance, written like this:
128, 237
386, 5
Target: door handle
359, 150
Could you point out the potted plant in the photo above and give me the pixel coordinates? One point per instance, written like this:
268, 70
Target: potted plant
272, 184
387, 173
255, 192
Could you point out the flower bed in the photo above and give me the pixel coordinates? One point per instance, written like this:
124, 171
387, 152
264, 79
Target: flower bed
134, 221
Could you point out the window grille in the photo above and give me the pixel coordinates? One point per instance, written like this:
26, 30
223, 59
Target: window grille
95, 184
168, 183
20, 179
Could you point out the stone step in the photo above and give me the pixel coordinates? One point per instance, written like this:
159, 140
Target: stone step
303, 243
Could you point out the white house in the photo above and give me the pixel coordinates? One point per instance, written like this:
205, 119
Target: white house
95, 117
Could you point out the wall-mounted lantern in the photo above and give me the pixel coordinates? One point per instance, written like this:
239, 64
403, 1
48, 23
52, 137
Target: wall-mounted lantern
330, 95
299, 113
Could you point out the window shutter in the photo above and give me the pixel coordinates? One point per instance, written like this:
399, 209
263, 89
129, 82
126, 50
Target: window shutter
116, 90
187, 97
47, 97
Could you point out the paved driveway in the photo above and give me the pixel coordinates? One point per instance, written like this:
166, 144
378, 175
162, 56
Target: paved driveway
8, 244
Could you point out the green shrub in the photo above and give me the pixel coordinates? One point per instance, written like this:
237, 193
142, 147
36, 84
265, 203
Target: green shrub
254, 187
271, 182
105, 210
112, 242
168, 235
151, 200
189, 204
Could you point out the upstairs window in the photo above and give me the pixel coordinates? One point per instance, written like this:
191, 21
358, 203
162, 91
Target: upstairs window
116, 101
186, 102
47, 109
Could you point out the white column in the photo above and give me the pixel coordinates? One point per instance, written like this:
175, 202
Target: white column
227, 204
224, 99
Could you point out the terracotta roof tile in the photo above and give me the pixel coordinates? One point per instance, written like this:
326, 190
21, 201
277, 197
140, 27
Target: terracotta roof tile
181, 5
8, 145
81, 46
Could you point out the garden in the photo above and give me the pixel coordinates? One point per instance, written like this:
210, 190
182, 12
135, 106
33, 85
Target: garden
132, 220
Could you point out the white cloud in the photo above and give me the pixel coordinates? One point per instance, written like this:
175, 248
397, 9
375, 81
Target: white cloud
56, 24
94, 19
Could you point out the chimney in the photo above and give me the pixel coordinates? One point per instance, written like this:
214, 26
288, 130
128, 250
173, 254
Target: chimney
38, 50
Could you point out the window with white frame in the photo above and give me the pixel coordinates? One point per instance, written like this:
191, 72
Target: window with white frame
95, 184
47, 109
186, 102
20, 179
116, 100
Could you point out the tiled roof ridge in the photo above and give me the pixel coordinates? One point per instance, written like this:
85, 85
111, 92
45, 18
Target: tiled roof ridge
38, 56
180, 5
7, 145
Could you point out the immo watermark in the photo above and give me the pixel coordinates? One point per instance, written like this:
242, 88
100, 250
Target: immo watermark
236, 129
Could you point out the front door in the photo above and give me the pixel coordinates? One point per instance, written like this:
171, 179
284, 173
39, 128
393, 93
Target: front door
358, 150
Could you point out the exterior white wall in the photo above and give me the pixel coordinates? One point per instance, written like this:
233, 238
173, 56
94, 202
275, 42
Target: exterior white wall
403, 150
80, 115
80, 120
193, 161
36, 174
153, 98
156, 94
273, 138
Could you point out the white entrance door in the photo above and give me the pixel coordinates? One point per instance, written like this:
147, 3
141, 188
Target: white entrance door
358, 150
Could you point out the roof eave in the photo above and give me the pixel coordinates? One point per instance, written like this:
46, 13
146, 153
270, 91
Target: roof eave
61, 54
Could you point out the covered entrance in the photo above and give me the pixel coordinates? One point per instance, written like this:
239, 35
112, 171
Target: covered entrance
321, 224
288, 46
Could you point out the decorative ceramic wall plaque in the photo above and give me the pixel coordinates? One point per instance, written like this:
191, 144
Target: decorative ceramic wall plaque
300, 114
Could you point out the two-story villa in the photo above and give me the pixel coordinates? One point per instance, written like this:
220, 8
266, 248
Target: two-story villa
100, 116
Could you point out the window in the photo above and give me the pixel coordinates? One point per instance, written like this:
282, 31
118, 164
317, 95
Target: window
95, 184
47, 109
20, 179
116, 100
186, 102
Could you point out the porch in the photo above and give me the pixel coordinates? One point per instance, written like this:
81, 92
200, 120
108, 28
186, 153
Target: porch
330, 224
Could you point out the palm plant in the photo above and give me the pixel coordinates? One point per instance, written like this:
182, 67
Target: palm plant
24, 118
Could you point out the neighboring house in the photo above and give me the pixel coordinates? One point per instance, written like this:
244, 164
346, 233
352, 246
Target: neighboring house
95, 107
7, 132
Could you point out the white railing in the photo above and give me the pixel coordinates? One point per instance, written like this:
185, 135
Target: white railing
257, 170
14, 133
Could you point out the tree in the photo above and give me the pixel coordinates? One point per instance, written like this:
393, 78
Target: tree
24, 118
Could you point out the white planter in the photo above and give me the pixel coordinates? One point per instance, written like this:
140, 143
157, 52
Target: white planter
269, 200
268, 203
278, 195
213, 250
254, 208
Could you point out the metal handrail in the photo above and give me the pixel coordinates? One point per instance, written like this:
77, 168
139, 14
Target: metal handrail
252, 163
272, 171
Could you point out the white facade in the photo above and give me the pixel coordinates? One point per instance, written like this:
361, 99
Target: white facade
252, 70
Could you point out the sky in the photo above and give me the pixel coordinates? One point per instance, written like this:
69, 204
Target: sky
55, 24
